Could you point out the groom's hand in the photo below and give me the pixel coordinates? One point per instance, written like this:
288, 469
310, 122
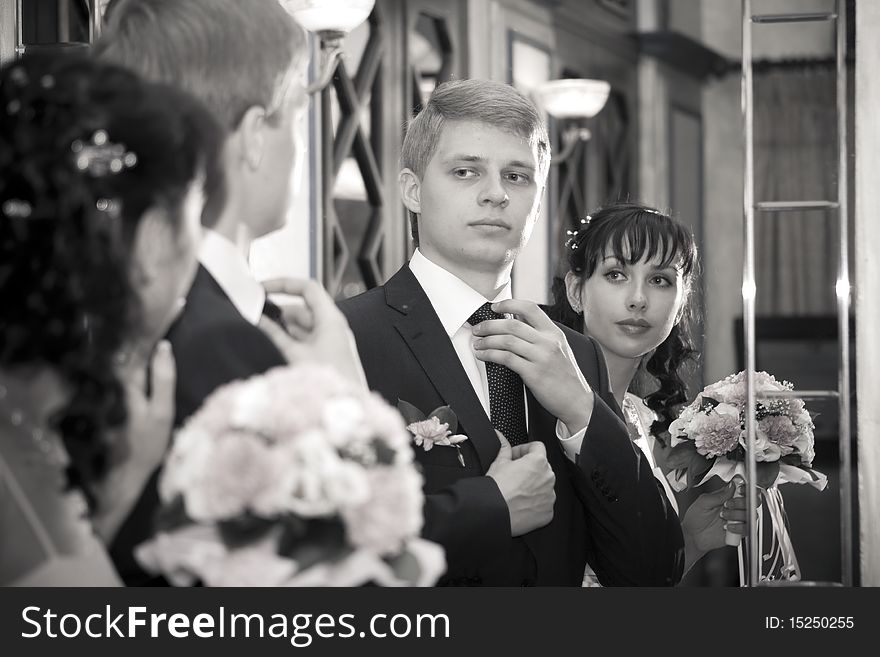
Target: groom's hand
526, 481
316, 329
536, 349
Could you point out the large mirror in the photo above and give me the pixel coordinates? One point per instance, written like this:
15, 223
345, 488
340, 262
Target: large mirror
56, 24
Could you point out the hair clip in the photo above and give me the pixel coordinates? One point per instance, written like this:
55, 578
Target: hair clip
109, 206
102, 157
16, 208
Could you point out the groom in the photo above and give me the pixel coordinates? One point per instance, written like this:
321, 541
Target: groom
442, 332
246, 61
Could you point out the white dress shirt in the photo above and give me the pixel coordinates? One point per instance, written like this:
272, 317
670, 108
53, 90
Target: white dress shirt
455, 301
225, 262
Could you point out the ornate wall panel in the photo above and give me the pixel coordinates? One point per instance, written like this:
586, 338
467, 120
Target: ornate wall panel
394, 62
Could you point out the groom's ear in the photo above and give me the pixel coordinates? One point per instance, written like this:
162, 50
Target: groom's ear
410, 190
252, 137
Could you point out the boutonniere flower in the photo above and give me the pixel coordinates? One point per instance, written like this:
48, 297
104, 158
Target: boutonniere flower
437, 428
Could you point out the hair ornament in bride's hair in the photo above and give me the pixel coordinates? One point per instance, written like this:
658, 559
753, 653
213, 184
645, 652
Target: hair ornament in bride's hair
109, 206
575, 236
15, 208
101, 157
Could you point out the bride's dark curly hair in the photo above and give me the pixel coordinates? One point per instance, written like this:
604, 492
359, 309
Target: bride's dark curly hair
85, 149
630, 232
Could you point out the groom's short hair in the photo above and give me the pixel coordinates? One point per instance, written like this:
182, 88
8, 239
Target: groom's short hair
484, 101
231, 54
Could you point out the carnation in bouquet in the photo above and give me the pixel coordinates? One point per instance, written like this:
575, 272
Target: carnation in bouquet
709, 440
292, 478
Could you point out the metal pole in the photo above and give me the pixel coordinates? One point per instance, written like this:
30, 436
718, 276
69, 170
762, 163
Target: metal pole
843, 302
19, 34
94, 20
749, 291
63, 21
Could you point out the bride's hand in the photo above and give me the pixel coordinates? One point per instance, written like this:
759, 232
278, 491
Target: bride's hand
145, 435
708, 517
150, 418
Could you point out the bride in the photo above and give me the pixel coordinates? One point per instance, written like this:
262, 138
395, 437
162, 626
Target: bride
630, 272
102, 183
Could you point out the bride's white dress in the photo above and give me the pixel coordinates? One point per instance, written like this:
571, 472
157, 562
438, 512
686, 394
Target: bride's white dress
46, 538
639, 419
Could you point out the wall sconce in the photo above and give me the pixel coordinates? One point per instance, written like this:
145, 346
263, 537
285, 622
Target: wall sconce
331, 20
574, 99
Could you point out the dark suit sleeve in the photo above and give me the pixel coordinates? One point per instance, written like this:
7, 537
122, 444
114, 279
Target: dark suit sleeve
634, 533
214, 354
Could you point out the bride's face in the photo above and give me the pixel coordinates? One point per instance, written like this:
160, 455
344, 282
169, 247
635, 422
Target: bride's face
630, 309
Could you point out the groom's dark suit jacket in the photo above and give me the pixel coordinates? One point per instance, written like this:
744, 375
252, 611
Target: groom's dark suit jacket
609, 509
212, 344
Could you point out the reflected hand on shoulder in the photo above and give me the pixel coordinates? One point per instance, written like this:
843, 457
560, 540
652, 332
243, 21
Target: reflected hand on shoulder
317, 331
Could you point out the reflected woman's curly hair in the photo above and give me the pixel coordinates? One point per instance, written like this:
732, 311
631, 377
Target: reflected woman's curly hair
85, 149
630, 232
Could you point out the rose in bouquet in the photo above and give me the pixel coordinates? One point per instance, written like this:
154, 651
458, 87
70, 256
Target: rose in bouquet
292, 478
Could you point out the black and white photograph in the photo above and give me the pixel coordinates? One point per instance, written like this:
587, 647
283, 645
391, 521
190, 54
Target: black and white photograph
369, 294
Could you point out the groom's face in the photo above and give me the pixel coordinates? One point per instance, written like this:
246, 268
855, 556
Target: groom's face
478, 199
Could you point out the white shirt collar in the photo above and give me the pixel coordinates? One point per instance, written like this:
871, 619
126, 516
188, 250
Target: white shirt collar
228, 266
453, 299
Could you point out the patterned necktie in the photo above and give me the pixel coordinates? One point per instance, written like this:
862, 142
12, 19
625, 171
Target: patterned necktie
274, 313
507, 406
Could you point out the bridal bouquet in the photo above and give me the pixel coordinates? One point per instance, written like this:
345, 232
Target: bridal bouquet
292, 478
709, 437
709, 440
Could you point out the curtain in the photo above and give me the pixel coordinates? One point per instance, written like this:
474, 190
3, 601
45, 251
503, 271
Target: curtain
795, 156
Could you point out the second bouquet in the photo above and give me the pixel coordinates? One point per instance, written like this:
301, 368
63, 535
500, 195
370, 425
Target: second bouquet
294, 477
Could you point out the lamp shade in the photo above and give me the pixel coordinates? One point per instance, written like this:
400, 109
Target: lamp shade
572, 98
329, 15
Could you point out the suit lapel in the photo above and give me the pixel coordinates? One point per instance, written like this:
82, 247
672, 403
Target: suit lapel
203, 278
421, 329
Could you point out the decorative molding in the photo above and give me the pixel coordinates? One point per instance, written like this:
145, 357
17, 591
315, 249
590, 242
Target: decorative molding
600, 28
623, 8
683, 53
356, 94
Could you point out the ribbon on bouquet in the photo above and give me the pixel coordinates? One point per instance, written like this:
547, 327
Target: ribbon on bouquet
782, 554
783, 562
